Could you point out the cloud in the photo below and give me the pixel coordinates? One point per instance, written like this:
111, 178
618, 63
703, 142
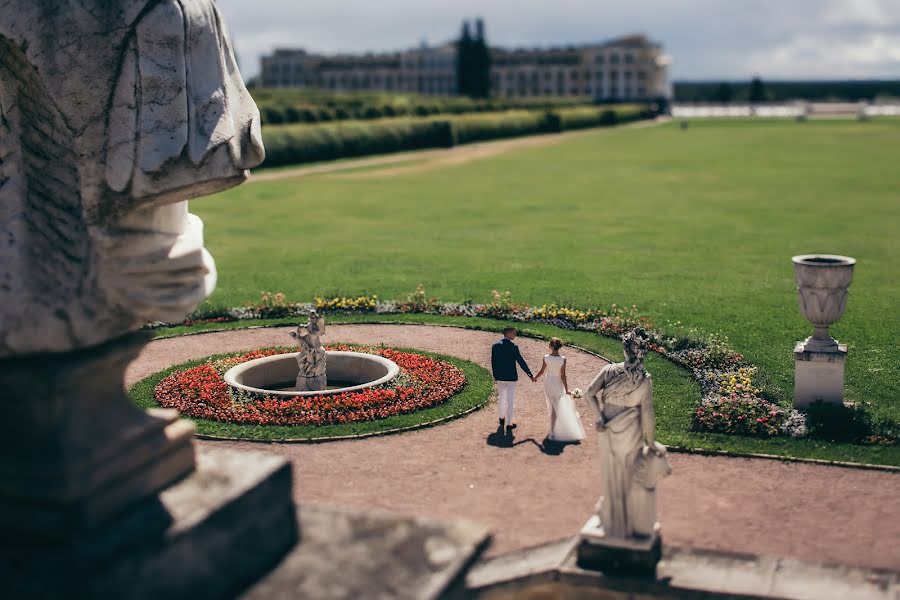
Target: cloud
830, 57
707, 39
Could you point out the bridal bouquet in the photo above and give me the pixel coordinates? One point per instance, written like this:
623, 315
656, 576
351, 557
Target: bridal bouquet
577, 394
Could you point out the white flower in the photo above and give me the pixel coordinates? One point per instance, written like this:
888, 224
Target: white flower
577, 393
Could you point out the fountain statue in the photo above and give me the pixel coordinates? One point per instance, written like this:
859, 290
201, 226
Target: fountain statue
312, 358
271, 376
624, 533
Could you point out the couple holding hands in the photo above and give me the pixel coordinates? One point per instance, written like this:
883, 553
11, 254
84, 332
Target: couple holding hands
565, 425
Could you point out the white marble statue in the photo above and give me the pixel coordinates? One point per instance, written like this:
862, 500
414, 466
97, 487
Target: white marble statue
631, 461
113, 113
312, 358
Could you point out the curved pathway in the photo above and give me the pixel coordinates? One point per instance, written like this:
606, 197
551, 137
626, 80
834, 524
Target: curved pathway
528, 497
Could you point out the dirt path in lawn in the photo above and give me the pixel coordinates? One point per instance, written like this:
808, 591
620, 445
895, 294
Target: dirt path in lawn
402, 163
528, 496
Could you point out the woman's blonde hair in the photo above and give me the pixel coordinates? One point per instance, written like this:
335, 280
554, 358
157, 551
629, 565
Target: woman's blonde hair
556, 343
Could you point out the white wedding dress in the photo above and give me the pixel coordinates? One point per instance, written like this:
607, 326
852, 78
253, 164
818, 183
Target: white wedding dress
568, 424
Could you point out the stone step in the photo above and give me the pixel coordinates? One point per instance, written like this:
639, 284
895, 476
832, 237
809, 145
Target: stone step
353, 554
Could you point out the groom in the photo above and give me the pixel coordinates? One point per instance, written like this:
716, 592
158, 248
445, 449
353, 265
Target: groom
504, 356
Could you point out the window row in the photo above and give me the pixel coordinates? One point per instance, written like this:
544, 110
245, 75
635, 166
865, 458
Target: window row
571, 75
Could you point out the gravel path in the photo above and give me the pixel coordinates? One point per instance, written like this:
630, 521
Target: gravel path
528, 496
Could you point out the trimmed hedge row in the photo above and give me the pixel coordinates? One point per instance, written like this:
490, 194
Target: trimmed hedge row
297, 144
479, 127
282, 106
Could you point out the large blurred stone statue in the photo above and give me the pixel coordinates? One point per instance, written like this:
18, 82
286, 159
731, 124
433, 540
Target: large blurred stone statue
112, 115
625, 529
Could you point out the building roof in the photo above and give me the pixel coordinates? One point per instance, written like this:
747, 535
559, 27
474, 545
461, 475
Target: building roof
637, 40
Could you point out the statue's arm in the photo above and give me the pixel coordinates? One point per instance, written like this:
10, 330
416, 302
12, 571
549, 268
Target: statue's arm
320, 324
593, 392
648, 415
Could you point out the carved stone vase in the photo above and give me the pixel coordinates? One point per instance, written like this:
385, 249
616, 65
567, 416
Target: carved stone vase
822, 285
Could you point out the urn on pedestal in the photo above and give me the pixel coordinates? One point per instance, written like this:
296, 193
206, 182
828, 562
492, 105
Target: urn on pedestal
822, 284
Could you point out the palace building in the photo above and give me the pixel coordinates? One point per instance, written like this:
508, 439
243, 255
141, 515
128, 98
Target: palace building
628, 68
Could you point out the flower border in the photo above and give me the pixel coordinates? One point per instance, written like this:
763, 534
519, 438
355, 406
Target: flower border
730, 401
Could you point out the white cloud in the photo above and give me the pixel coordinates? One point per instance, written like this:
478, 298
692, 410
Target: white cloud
873, 13
870, 55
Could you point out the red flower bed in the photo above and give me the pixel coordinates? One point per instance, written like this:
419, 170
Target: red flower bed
201, 392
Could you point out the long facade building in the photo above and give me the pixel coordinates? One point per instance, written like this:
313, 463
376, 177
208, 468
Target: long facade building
629, 68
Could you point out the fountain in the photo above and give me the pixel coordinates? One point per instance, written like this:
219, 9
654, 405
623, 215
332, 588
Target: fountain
303, 373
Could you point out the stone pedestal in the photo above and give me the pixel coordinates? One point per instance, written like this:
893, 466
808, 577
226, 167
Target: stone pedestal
684, 573
353, 554
818, 373
74, 450
632, 556
210, 536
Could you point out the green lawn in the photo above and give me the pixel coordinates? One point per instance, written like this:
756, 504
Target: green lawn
694, 226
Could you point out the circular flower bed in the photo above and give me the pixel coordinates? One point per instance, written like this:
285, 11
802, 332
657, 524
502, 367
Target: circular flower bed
201, 392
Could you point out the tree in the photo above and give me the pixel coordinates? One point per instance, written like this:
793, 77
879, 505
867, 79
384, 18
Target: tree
473, 62
724, 94
481, 63
463, 60
757, 90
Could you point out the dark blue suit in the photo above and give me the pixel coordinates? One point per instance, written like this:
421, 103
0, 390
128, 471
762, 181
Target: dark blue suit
504, 356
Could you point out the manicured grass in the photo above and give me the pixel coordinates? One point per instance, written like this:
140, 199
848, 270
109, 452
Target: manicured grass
694, 226
675, 392
479, 385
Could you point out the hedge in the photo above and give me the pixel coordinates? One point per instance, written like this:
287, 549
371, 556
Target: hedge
478, 127
593, 116
294, 144
304, 143
283, 105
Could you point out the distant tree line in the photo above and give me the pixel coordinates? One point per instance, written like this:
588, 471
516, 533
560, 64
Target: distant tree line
473, 62
780, 91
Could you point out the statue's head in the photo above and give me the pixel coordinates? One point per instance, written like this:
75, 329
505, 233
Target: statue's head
635, 344
112, 116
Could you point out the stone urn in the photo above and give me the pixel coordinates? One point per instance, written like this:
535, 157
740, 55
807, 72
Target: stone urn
822, 283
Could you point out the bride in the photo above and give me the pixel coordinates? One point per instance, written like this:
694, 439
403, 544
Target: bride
565, 425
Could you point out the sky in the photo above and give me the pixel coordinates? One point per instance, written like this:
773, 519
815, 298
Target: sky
706, 39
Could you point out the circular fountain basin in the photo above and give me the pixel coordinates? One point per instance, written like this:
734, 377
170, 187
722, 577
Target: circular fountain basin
276, 375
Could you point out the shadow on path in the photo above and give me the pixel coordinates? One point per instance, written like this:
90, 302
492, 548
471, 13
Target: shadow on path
502, 438
553, 448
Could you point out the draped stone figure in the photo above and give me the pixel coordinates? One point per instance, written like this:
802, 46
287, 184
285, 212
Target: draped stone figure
631, 461
311, 359
113, 114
